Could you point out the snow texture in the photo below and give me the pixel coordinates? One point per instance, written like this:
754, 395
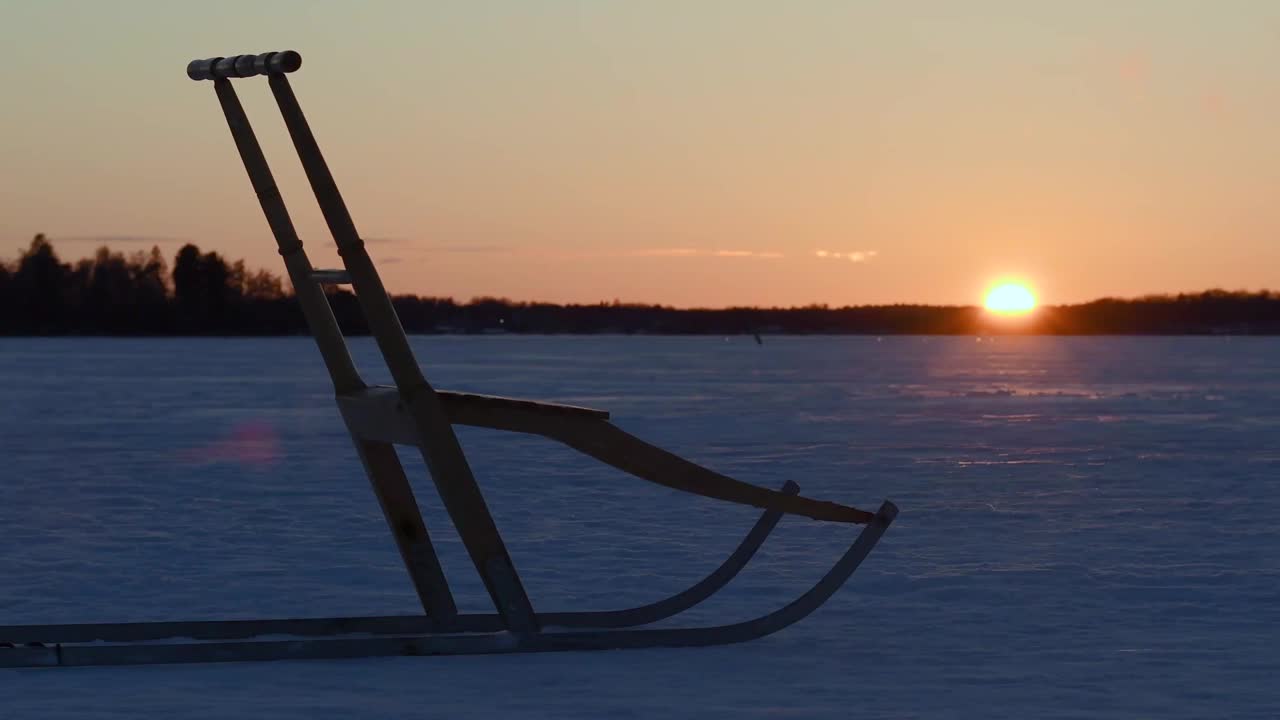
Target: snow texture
1088, 525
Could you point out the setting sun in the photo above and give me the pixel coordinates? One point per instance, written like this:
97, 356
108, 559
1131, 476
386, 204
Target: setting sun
1010, 299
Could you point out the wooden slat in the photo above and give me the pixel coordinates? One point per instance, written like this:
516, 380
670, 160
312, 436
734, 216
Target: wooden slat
614, 446
456, 402
231, 629
379, 413
331, 277
400, 508
16, 657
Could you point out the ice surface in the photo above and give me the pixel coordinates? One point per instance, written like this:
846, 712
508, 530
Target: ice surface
1088, 525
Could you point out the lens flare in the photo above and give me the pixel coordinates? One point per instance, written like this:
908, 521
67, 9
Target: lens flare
252, 443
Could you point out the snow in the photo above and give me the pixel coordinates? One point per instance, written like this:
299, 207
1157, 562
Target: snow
1087, 529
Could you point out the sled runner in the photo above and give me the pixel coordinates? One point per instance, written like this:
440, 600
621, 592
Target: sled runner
414, 413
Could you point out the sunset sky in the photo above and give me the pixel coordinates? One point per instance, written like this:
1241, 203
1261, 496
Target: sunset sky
688, 153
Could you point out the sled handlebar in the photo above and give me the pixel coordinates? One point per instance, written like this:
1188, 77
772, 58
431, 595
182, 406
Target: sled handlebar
243, 66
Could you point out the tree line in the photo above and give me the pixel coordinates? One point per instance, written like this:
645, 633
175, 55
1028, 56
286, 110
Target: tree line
112, 293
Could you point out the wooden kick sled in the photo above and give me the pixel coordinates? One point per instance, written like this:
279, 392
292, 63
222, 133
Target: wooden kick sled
415, 413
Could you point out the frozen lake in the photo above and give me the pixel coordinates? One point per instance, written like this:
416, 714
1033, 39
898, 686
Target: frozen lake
1088, 527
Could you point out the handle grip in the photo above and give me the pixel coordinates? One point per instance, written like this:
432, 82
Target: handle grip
243, 66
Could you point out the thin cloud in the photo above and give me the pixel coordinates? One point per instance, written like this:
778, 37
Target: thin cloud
667, 252
692, 252
121, 239
468, 248
856, 256
412, 244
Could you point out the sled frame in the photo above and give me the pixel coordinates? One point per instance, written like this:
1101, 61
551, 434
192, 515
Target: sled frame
414, 413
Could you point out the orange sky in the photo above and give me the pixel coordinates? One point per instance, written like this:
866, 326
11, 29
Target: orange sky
708, 153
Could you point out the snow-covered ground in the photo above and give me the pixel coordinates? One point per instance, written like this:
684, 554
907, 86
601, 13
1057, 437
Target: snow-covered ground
1088, 528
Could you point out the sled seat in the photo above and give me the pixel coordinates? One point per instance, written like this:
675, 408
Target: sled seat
382, 414
458, 403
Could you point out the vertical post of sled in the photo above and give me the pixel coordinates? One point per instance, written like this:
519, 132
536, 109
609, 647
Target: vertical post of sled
315, 306
436, 438
381, 464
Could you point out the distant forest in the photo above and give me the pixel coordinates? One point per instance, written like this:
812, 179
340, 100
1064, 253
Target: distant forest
204, 294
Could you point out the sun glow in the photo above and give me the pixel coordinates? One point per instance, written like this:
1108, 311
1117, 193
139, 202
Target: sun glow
1010, 299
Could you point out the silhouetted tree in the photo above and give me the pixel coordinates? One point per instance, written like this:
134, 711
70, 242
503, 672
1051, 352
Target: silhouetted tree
221, 295
148, 273
187, 288
111, 297
204, 289
7, 316
262, 285
40, 287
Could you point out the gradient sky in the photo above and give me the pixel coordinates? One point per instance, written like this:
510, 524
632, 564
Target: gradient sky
689, 153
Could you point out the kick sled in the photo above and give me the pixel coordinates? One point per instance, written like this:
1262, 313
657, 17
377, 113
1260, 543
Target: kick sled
416, 414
